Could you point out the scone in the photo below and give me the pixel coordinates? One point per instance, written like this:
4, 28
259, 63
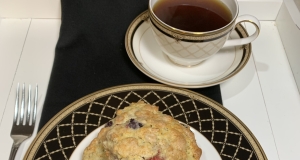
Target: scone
141, 132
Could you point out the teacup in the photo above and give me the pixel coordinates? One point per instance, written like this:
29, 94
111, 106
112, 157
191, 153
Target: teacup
189, 46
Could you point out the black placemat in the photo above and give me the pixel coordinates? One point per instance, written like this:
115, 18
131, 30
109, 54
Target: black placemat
90, 54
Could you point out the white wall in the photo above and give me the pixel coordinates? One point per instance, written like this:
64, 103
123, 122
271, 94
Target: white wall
262, 9
289, 32
30, 9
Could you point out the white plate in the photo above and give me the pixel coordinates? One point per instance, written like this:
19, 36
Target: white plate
230, 137
208, 150
145, 53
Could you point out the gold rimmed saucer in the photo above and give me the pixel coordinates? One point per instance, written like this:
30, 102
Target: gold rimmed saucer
145, 54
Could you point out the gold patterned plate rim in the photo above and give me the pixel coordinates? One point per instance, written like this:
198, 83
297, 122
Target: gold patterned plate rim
229, 135
163, 78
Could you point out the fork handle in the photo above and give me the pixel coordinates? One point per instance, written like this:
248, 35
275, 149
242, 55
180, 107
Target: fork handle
13, 151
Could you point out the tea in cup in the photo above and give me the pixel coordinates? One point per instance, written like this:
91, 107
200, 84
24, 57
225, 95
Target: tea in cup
191, 31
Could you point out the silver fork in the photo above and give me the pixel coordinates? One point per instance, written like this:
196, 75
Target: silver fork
24, 119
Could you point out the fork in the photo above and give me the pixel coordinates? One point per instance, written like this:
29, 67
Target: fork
24, 119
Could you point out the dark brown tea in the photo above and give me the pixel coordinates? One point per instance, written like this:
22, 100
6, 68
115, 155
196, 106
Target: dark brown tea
193, 15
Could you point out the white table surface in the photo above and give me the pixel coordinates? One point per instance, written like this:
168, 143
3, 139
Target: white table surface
263, 95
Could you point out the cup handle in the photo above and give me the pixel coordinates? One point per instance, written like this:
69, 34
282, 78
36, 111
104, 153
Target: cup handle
246, 40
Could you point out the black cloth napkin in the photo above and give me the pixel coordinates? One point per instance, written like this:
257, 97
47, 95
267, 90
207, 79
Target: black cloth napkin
90, 54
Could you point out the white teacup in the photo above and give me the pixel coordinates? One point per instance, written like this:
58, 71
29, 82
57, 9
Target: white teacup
188, 48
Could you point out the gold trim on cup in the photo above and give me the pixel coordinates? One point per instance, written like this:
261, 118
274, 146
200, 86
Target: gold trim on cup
191, 36
179, 37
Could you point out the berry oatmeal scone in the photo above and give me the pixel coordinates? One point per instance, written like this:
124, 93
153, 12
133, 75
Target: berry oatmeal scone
141, 132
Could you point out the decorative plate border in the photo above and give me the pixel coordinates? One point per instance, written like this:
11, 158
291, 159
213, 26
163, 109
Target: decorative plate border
143, 17
60, 136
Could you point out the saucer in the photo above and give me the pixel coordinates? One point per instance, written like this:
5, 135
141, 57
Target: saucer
146, 55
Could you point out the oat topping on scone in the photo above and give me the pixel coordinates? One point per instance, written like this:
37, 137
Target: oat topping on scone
141, 132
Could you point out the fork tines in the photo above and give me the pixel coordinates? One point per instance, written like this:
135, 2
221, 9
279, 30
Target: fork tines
20, 116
